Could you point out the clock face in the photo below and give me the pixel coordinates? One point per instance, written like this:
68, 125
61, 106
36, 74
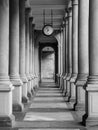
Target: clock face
47, 30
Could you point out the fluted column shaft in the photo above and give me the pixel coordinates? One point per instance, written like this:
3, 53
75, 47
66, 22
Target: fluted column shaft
5, 84
82, 54
14, 55
22, 49
92, 83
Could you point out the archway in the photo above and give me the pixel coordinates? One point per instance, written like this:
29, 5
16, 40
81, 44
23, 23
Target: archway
50, 43
48, 64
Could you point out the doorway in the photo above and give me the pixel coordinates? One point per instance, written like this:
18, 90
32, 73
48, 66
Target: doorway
48, 64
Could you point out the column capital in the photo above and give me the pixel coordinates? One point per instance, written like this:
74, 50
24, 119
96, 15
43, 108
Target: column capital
66, 15
31, 19
33, 25
74, 2
70, 6
63, 23
70, 12
27, 10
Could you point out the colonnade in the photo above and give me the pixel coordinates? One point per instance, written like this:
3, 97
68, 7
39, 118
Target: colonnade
80, 75
77, 63
17, 68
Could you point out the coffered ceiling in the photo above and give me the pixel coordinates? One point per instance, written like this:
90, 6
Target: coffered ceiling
58, 10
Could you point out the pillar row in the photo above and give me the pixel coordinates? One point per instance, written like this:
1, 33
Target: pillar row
14, 55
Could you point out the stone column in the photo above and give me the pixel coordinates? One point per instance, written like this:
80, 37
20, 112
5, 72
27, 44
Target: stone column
14, 55
69, 51
22, 51
66, 53
30, 52
74, 49
64, 65
59, 64
92, 83
6, 117
82, 55
61, 59
27, 51
33, 26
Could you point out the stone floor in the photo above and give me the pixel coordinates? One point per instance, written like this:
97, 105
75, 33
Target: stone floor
48, 111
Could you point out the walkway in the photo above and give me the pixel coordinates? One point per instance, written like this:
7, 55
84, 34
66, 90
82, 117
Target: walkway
47, 111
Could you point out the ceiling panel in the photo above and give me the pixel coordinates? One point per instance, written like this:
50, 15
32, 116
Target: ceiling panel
57, 6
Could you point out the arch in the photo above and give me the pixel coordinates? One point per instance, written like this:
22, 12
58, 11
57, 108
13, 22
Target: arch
51, 42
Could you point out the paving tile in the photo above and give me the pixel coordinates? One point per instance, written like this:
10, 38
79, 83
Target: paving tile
62, 116
49, 111
49, 129
49, 105
49, 99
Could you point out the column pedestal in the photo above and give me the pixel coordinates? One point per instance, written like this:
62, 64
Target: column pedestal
91, 116
68, 87
73, 88
80, 92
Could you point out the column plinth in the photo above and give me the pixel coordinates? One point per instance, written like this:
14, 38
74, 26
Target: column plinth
82, 54
91, 116
6, 117
14, 55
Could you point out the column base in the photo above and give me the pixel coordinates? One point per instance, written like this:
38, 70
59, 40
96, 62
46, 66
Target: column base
89, 121
91, 116
24, 99
68, 97
32, 91
72, 102
80, 95
29, 94
17, 107
7, 121
79, 107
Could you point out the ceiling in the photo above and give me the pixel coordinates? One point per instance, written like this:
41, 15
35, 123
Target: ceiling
38, 6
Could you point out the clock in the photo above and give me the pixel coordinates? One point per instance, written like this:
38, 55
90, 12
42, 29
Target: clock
47, 30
